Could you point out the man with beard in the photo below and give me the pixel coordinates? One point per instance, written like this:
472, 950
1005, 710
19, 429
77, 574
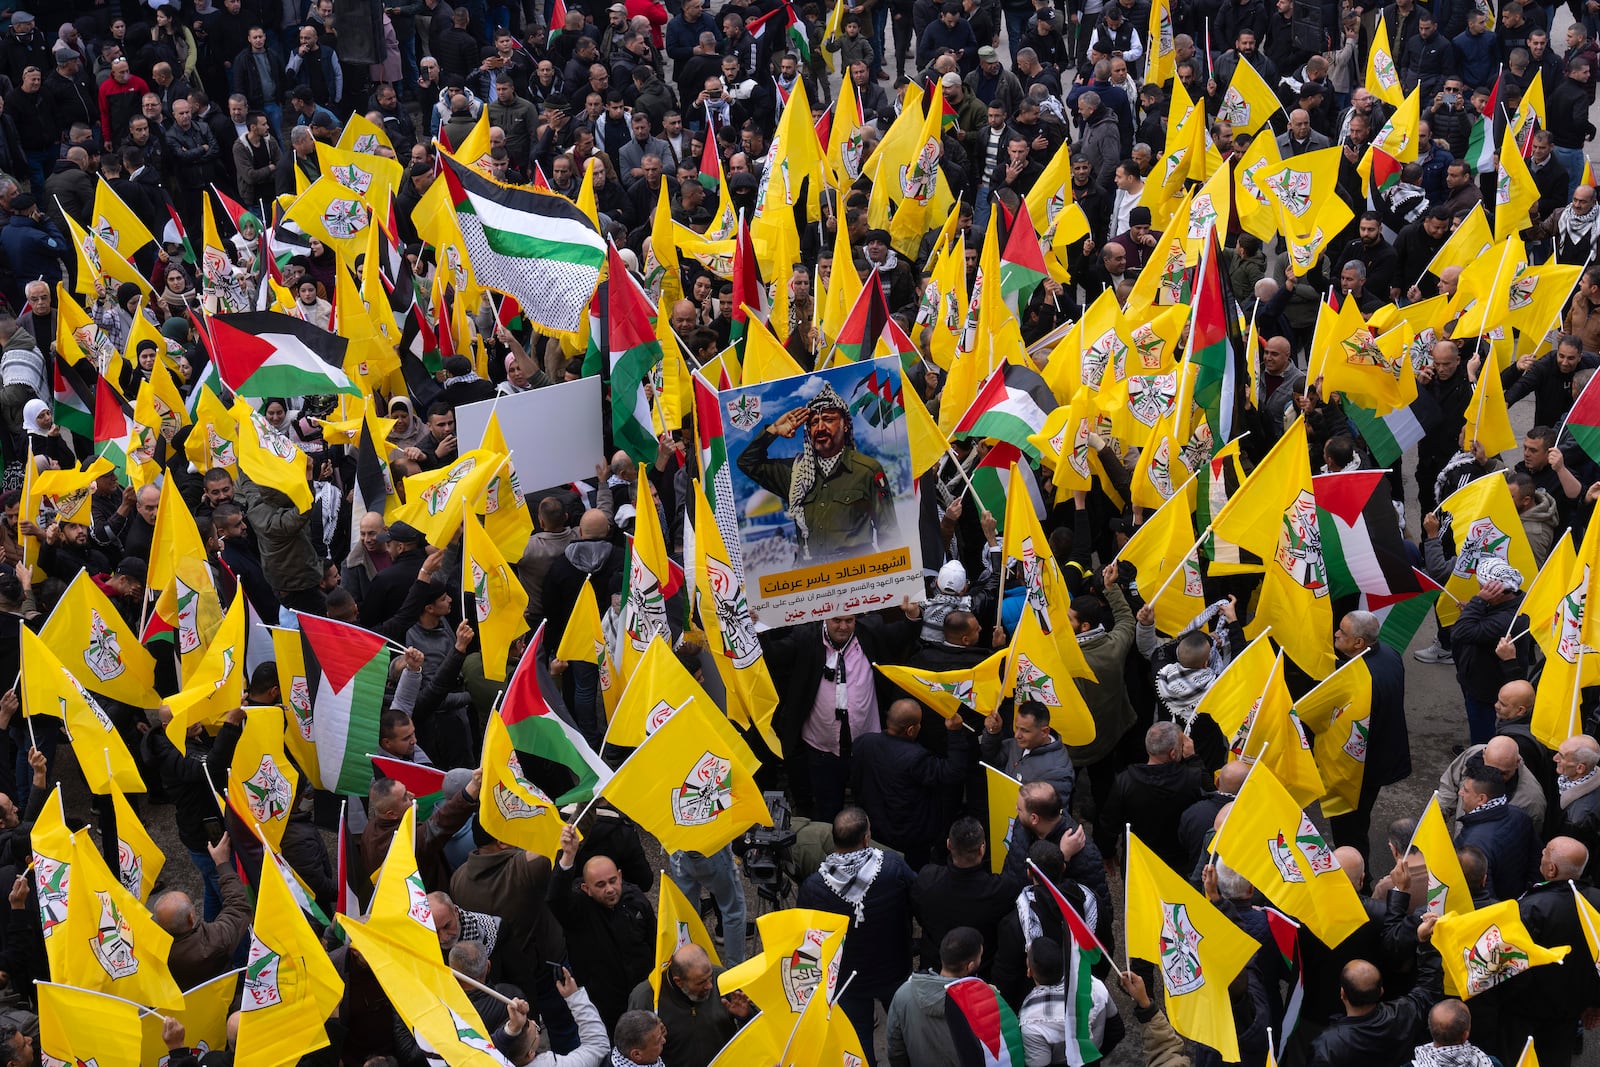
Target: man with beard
698, 1021
839, 498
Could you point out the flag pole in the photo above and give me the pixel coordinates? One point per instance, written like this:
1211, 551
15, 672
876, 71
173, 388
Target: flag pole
1175, 492
1127, 877
1153, 597
1034, 867
480, 987
596, 798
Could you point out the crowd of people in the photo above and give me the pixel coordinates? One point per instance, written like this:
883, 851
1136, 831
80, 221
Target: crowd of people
893, 827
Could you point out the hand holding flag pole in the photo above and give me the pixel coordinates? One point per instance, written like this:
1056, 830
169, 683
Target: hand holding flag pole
598, 792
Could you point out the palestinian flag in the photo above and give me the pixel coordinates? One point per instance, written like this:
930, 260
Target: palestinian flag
868, 318
537, 247
715, 474
286, 240
748, 290
425, 784
1384, 172
374, 484
509, 314
264, 353
983, 1029
113, 426
710, 175
1216, 481
794, 31
529, 711
1481, 144
1022, 265
346, 669
1286, 939
1388, 437
1365, 553
594, 355
992, 476
1011, 407
1216, 349
877, 399
173, 233
234, 210
1084, 952
635, 351
74, 400
1583, 420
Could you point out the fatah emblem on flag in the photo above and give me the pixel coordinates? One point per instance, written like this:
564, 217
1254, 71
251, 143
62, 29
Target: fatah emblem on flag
345, 218
468, 1035
95, 709
1247, 178
745, 411
267, 792
704, 793
222, 454
1235, 109
1491, 960
1161, 468
1192, 582
1180, 951
509, 804
1284, 859
1294, 190
1318, 855
658, 716
112, 942
275, 442
480, 591
1356, 746
851, 153
1481, 538
1173, 160
801, 971
51, 876
1502, 186
1383, 66
130, 869
647, 608
1437, 893
300, 705
733, 613
104, 654
1360, 350
104, 230
1300, 545
366, 144
1106, 351
1521, 293
417, 907
437, 495
188, 618
1151, 396
1304, 254
1077, 456
352, 177
260, 977
917, 177
1034, 684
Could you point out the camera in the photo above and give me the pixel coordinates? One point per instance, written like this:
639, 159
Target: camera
764, 849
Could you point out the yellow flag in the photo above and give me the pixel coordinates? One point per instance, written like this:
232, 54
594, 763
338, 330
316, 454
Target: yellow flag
1238, 688
1591, 927
688, 786
112, 944
765, 359
399, 909
948, 318
975, 689
1514, 190
269, 458
297, 709
1383, 75
1398, 137
1483, 522
761, 1043
52, 865
139, 859
506, 517
1160, 49
1466, 244
500, 601
799, 958
217, 684
434, 499
1024, 542
179, 568
1272, 737
1164, 543
369, 176
1301, 186
1256, 209
1347, 358
1565, 637
1542, 597
261, 781
844, 284
363, 136
1002, 806
70, 491
1198, 949
1268, 839
204, 1016
1248, 105
93, 641
730, 632
1035, 672
1485, 947
928, 443
290, 984
1331, 217
584, 641
1488, 421
212, 442
333, 214
1447, 892
1338, 710
369, 357
115, 223
78, 1026
511, 808
677, 924
659, 688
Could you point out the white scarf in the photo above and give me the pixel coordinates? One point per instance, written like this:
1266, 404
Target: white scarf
850, 875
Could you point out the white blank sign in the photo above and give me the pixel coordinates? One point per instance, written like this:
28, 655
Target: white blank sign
553, 433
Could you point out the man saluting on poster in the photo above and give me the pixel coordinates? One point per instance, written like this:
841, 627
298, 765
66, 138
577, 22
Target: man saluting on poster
838, 497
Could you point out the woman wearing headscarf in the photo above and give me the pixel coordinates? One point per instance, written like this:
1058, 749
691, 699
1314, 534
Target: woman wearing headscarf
409, 430
50, 451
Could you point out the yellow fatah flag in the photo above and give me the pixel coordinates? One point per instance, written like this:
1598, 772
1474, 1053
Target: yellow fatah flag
370, 176
1255, 207
1348, 358
1338, 711
1238, 688
1248, 104
765, 358
363, 136
1268, 839
677, 924
1483, 948
799, 959
730, 632
204, 1016
1483, 294
216, 686
1002, 792
213, 443
1483, 522
1383, 75
290, 984
179, 568
79, 337
1035, 672
399, 909
70, 491
77, 1026
689, 786
500, 601
1447, 892
435, 499
1331, 217
261, 780
919, 190
1024, 542
1301, 186
112, 944
950, 316
1272, 737
52, 865
928, 442
1466, 244
335, 215
1160, 49
974, 689
1208, 210
585, 641
99, 264
1254, 514
115, 223
97, 645
506, 517
1537, 296
660, 688
1541, 601
1398, 138
761, 1043
139, 858
844, 284
1557, 711
1488, 421
1590, 919
269, 458
511, 808
1514, 190
1164, 543
369, 357
1198, 950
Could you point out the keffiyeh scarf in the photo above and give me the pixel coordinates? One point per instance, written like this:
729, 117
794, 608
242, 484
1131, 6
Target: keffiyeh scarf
1028, 916
850, 875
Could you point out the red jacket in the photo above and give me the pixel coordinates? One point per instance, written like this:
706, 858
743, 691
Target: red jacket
110, 88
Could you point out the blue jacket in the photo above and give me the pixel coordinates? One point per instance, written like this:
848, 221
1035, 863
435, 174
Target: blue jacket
1480, 56
682, 37
34, 248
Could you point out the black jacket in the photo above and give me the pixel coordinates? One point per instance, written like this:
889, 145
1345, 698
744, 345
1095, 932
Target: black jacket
1504, 834
564, 581
1473, 638
388, 589
945, 897
1568, 109
1387, 1034
612, 949
1561, 993
878, 946
1389, 741
900, 785
1149, 797
1552, 388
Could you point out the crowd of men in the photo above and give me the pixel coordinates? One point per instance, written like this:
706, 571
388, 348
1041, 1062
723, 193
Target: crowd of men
164, 103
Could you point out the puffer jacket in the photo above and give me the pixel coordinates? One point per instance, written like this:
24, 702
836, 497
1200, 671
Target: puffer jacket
289, 556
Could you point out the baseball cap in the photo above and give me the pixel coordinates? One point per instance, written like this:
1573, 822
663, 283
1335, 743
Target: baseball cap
134, 568
952, 577
950, 79
988, 54
404, 531
20, 18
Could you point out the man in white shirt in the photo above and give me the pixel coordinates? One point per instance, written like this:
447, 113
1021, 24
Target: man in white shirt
1130, 187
